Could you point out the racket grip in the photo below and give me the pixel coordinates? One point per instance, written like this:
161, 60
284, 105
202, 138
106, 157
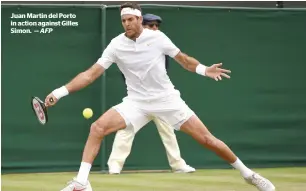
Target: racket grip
51, 99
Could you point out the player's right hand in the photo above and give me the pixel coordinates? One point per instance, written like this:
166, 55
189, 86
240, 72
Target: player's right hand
50, 100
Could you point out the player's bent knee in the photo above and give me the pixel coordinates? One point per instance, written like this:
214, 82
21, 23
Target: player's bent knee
98, 129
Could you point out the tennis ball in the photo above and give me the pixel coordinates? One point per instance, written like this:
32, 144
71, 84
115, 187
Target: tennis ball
87, 113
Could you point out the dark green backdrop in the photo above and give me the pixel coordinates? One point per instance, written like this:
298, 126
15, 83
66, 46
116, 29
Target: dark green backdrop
260, 112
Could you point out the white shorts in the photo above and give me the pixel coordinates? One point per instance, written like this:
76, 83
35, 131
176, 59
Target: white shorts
172, 110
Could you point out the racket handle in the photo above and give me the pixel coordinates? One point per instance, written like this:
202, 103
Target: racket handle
51, 99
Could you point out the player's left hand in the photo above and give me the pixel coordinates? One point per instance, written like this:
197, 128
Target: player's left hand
216, 72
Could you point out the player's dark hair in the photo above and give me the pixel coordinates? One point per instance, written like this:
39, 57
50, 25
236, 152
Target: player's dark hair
132, 5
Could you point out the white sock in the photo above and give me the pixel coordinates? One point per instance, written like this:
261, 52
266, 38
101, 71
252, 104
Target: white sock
84, 172
245, 171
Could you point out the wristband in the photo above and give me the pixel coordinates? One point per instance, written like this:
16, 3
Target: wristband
201, 69
60, 92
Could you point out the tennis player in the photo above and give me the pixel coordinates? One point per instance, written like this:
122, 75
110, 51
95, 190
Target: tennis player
140, 55
124, 138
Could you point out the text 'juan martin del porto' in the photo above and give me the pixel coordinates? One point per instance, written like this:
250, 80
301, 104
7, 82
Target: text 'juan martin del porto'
44, 16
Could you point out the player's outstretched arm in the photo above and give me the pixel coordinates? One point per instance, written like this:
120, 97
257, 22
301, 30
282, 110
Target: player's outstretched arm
79, 82
191, 64
85, 78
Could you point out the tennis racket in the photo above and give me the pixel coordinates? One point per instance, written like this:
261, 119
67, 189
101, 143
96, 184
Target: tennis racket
40, 109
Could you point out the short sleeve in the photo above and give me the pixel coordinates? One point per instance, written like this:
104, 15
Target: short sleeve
108, 56
168, 48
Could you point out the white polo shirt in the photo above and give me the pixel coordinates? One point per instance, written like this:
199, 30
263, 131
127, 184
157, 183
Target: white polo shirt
143, 64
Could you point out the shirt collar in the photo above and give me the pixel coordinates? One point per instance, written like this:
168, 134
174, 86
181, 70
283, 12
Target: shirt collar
142, 34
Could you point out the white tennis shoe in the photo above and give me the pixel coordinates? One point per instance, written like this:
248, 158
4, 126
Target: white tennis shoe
260, 182
74, 185
185, 169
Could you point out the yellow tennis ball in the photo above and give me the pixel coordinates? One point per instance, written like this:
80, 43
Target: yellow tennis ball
87, 113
